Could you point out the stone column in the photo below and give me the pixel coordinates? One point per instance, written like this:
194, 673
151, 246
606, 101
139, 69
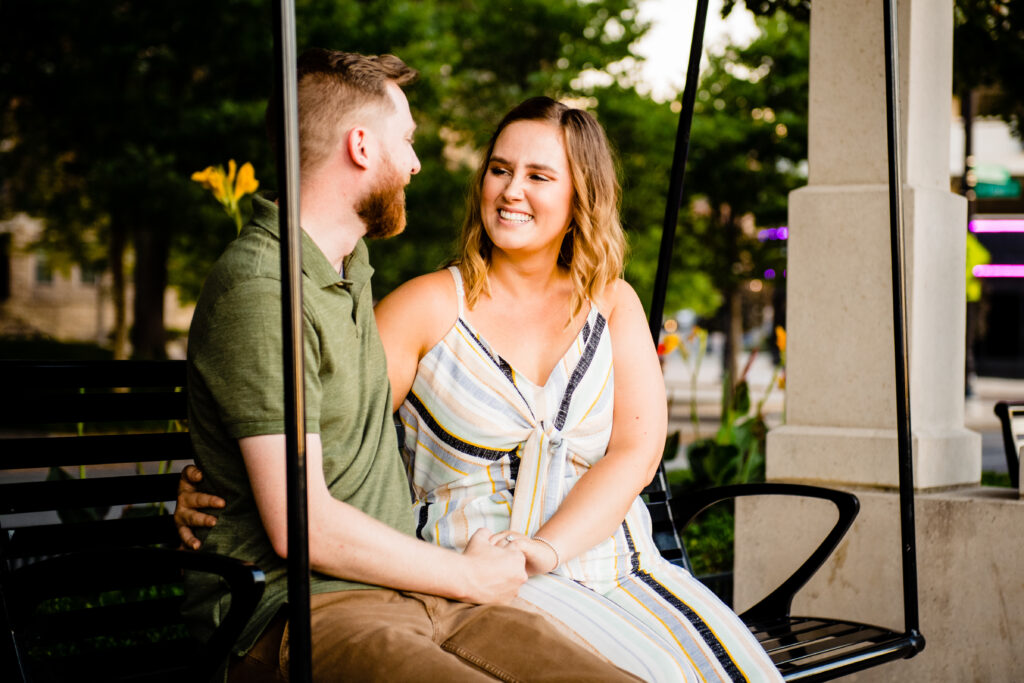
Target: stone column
840, 397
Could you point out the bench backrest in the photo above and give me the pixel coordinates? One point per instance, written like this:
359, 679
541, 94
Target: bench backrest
111, 421
80, 603
1011, 418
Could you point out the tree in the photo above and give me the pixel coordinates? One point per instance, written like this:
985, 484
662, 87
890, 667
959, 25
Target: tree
107, 108
643, 131
988, 47
748, 152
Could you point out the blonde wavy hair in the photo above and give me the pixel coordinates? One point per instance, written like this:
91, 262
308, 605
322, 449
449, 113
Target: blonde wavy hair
594, 248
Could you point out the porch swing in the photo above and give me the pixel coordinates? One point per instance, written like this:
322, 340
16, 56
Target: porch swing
804, 648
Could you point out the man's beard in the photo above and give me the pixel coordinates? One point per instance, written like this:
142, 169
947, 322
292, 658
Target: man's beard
383, 207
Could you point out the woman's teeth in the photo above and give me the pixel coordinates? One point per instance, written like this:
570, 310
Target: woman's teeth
514, 216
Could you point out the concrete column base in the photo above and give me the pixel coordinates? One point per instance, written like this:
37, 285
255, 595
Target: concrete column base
970, 575
867, 457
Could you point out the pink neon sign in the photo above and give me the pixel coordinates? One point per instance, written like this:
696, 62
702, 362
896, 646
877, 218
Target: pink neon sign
997, 225
998, 270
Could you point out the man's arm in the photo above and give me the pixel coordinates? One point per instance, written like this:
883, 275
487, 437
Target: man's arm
349, 544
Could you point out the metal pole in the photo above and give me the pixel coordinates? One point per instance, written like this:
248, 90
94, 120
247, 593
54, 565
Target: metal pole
300, 655
899, 297
675, 185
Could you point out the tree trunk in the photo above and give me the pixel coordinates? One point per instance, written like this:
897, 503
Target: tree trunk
149, 338
732, 305
118, 238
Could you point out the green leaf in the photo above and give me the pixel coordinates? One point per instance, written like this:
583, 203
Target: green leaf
741, 398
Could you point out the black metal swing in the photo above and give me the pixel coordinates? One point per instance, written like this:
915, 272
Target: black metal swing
803, 648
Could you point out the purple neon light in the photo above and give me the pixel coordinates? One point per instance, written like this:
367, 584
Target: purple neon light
997, 225
769, 274
773, 233
998, 270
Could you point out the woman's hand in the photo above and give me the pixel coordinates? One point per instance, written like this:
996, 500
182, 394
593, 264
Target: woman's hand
540, 557
186, 513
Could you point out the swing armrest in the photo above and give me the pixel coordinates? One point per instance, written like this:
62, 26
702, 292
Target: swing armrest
776, 604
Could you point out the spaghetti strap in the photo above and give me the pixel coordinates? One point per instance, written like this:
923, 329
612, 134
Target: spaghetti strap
460, 293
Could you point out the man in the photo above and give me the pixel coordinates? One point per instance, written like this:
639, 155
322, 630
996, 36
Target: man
385, 606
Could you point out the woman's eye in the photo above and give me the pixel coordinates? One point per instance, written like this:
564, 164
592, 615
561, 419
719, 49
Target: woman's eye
536, 176
498, 171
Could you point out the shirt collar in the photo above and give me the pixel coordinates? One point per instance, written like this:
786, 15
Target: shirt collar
314, 263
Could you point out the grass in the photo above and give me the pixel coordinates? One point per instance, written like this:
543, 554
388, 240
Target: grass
995, 479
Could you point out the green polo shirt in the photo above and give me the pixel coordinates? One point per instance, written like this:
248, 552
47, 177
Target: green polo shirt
236, 389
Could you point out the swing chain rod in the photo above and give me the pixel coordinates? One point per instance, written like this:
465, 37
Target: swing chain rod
286, 102
675, 186
897, 237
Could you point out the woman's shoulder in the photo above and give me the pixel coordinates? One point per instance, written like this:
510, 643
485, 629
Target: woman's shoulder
618, 295
426, 305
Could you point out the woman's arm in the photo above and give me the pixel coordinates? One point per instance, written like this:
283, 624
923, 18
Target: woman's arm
598, 502
411, 320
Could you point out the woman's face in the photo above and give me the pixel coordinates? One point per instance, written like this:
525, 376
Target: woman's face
526, 200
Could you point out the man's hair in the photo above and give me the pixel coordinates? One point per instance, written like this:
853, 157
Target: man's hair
594, 249
334, 88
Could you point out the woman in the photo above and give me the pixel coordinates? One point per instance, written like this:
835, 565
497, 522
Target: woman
534, 406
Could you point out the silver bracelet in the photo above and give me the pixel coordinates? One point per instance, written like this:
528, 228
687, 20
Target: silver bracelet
558, 560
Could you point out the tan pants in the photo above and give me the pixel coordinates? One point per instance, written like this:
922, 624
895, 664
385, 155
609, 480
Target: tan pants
385, 635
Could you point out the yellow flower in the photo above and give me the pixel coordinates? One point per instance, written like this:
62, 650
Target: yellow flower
212, 179
780, 338
246, 182
228, 188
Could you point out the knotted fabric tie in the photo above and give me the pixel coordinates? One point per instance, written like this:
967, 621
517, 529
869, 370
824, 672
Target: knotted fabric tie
539, 486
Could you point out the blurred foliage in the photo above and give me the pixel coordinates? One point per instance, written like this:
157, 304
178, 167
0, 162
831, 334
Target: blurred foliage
995, 479
709, 538
988, 48
749, 147
988, 52
107, 109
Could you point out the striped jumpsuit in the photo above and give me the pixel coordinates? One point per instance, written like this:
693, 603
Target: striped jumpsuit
485, 447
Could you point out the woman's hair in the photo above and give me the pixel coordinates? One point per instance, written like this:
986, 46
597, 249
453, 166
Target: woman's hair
594, 247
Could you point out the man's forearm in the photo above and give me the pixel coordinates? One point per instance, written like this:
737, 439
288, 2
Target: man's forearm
349, 544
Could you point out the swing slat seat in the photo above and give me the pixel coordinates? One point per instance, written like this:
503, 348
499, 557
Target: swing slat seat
802, 648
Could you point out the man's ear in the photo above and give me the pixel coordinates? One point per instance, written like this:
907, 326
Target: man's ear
356, 143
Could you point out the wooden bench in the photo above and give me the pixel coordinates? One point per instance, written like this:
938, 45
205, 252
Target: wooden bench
91, 580
1011, 418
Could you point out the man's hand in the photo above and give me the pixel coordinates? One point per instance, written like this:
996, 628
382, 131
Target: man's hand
496, 573
186, 513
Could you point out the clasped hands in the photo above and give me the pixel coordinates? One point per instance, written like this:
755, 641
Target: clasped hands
540, 556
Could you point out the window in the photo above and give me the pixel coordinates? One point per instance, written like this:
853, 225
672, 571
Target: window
44, 273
